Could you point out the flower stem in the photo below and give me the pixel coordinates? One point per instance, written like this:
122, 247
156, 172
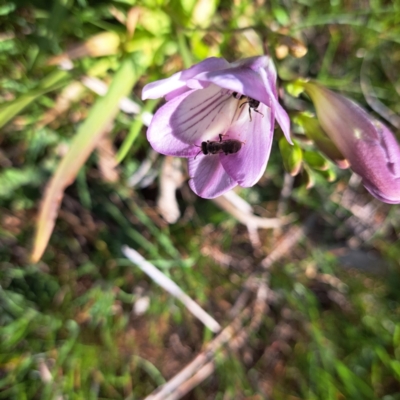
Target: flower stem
184, 50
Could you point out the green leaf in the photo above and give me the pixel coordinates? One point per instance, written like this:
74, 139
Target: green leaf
52, 82
313, 131
136, 127
292, 156
329, 175
315, 160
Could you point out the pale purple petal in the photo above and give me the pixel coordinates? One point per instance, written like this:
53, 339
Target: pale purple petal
379, 164
241, 80
171, 146
283, 119
208, 178
255, 63
176, 92
160, 134
202, 115
162, 87
248, 164
209, 64
269, 82
271, 73
177, 81
265, 67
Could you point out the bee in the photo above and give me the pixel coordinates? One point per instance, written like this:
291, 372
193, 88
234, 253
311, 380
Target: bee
229, 146
253, 104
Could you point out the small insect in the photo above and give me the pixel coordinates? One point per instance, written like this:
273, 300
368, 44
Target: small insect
229, 146
253, 104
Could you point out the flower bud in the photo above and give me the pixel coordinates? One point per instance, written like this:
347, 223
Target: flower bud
313, 131
367, 144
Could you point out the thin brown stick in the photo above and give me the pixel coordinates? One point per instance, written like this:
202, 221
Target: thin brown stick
171, 287
234, 335
245, 216
234, 344
203, 358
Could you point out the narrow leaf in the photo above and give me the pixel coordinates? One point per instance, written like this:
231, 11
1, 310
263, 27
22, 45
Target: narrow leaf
52, 82
292, 156
86, 139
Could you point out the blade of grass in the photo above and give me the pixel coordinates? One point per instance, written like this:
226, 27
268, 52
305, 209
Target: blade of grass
171, 287
53, 81
162, 238
134, 234
100, 116
135, 129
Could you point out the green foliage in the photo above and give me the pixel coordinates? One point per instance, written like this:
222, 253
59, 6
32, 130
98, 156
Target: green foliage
70, 325
292, 156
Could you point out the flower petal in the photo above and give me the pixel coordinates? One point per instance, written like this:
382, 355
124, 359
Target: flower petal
248, 164
283, 119
269, 78
255, 63
381, 177
163, 87
202, 114
208, 177
239, 79
160, 135
176, 92
258, 85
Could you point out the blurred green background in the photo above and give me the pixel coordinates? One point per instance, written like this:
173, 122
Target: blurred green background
84, 322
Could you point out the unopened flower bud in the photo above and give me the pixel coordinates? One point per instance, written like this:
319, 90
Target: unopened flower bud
368, 145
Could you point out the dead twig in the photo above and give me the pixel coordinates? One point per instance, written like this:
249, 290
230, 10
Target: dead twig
171, 179
234, 335
244, 214
171, 390
171, 287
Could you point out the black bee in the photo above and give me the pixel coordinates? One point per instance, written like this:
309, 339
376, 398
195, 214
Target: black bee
253, 104
229, 146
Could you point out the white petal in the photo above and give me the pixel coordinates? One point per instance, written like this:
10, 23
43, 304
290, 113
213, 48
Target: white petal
204, 114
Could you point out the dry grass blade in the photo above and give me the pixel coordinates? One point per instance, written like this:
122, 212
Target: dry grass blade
236, 342
53, 81
70, 94
244, 214
86, 139
233, 335
171, 179
200, 361
172, 288
102, 44
107, 161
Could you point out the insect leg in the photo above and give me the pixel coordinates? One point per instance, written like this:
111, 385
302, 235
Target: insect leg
197, 153
258, 112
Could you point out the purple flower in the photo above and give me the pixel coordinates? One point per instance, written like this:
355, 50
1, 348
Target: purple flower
236, 100
368, 145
